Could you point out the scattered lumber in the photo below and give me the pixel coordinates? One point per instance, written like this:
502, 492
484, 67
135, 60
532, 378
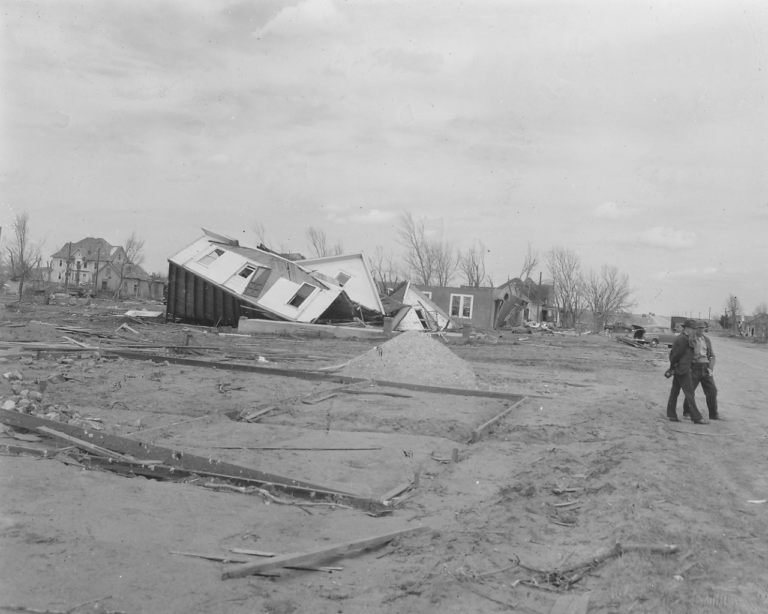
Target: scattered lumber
168, 463
315, 556
484, 429
566, 577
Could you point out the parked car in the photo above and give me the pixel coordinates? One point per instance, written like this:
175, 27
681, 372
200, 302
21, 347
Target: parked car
653, 335
618, 327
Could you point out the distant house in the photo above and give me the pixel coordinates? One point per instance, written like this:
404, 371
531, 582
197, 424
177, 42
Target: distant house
756, 326
541, 305
136, 282
480, 308
81, 264
215, 280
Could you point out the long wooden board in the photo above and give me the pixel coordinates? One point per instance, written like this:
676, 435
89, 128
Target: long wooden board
315, 556
483, 429
315, 375
191, 463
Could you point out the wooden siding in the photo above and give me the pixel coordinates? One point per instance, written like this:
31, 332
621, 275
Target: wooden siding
194, 300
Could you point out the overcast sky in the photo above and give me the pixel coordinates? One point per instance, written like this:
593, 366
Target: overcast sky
632, 132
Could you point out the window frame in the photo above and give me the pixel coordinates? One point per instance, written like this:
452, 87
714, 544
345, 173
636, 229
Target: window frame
216, 250
248, 277
303, 299
462, 305
345, 274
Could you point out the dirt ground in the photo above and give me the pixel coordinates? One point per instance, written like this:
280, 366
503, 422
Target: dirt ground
592, 432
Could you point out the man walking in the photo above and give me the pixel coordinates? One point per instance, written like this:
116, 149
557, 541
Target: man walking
701, 371
680, 360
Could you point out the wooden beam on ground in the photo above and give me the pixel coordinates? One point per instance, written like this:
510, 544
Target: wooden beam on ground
484, 429
315, 556
316, 375
139, 452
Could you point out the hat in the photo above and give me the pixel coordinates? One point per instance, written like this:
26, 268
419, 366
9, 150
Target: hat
702, 324
690, 324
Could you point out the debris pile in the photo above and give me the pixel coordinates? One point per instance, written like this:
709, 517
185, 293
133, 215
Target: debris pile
26, 401
414, 358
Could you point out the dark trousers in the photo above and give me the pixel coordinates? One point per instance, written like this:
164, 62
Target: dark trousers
685, 383
710, 391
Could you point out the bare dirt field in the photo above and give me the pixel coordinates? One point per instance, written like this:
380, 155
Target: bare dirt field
586, 461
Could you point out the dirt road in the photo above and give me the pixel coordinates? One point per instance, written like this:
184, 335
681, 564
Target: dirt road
587, 461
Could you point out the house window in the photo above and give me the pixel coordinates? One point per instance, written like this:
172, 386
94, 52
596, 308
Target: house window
461, 305
247, 271
61, 263
209, 258
427, 293
135, 286
59, 275
302, 295
342, 278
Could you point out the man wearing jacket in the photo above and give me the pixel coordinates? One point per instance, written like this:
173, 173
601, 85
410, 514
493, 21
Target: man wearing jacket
681, 357
701, 371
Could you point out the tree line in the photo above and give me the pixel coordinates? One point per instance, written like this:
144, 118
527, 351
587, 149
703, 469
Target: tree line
430, 261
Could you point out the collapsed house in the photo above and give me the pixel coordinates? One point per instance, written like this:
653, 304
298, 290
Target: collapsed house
411, 309
215, 281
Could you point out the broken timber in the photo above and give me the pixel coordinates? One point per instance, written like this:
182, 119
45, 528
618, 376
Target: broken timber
173, 464
484, 429
315, 375
315, 556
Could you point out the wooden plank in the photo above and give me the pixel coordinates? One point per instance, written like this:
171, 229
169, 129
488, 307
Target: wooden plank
17, 450
85, 445
139, 450
396, 491
315, 556
318, 375
484, 429
571, 604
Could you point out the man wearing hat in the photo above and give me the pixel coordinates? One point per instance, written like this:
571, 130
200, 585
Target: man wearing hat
681, 358
701, 371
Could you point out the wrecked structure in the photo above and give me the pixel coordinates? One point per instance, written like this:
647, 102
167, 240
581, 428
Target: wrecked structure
215, 281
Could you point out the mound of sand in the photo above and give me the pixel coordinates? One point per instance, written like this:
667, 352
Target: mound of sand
414, 358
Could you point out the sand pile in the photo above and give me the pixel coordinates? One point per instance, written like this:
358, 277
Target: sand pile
414, 358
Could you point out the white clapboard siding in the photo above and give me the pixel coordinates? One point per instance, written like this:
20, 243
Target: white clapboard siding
191, 252
221, 269
277, 297
360, 288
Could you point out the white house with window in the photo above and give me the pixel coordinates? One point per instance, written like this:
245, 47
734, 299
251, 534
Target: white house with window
262, 284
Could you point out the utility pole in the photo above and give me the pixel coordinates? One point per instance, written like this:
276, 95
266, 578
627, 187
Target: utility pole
96, 277
66, 274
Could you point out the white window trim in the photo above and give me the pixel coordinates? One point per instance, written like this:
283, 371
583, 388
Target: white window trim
427, 293
463, 298
214, 250
304, 302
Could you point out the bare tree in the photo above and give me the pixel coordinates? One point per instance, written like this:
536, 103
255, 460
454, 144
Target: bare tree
321, 245
733, 311
530, 263
384, 267
260, 231
431, 263
607, 293
23, 255
565, 269
761, 309
134, 257
472, 265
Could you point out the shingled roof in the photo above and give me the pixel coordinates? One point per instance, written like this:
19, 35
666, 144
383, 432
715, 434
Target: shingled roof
90, 247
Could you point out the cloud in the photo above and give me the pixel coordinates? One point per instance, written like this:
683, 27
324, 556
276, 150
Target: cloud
686, 274
308, 19
372, 216
611, 211
668, 238
409, 61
